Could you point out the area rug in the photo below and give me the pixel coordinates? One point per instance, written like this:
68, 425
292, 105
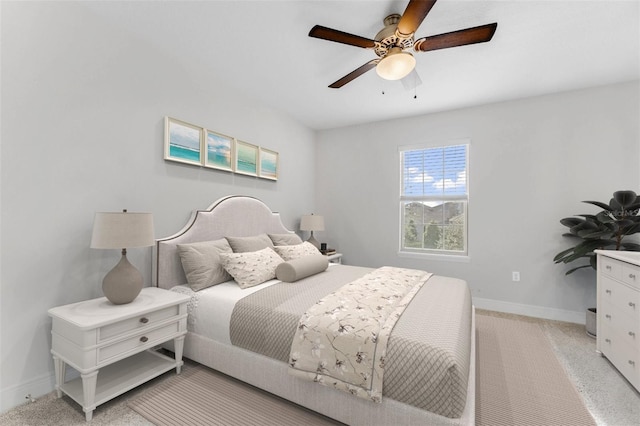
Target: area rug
520, 382
204, 397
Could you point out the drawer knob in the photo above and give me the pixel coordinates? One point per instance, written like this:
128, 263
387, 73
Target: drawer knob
632, 276
144, 339
631, 362
633, 305
632, 334
144, 320
608, 291
607, 316
607, 340
608, 267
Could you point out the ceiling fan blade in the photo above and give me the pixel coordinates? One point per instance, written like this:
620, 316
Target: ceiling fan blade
354, 74
325, 33
473, 35
413, 16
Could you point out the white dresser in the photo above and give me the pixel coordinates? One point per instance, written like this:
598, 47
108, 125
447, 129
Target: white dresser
618, 336
111, 345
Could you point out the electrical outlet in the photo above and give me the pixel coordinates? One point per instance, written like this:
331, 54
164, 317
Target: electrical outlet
515, 276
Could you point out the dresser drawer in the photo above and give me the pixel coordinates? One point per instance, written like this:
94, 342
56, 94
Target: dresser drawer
138, 342
147, 320
624, 299
623, 356
631, 275
611, 267
627, 328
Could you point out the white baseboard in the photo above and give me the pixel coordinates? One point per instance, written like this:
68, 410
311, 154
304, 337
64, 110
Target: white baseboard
530, 310
13, 396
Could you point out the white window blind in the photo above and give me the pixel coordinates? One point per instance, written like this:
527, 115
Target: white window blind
434, 199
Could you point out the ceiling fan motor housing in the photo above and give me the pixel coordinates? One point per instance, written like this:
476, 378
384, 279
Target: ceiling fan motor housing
387, 37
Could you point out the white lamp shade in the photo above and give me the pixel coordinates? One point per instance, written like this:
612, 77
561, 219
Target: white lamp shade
122, 230
396, 65
312, 222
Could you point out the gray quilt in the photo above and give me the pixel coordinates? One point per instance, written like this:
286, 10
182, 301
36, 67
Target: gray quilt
427, 363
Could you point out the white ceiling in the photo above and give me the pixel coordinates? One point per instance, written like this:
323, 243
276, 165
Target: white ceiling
262, 48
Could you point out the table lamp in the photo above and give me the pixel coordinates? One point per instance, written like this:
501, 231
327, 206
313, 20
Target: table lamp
122, 231
312, 223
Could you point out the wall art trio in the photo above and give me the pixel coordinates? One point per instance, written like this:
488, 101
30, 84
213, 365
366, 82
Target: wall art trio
190, 144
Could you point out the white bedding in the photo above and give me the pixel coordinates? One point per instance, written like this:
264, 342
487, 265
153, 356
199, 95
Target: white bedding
218, 300
213, 321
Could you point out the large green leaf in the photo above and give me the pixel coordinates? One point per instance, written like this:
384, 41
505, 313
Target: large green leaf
600, 233
570, 271
625, 198
630, 246
571, 221
599, 204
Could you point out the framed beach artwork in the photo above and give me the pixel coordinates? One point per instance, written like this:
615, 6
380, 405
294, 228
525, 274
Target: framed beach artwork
268, 164
183, 142
219, 151
246, 158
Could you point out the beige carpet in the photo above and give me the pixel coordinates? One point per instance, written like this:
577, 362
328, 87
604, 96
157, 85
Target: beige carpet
519, 382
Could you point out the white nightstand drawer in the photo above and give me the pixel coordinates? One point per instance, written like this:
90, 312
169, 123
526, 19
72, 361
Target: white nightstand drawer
138, 342
147, 320
611, 267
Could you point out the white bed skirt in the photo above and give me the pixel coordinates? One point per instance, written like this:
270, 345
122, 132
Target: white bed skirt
273, 377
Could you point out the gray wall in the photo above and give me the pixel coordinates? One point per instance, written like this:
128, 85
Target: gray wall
531, 163
82, 131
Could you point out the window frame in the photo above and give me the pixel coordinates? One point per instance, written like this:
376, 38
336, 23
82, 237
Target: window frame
458, 256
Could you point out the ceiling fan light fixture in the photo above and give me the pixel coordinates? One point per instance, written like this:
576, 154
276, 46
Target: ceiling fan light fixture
396, 64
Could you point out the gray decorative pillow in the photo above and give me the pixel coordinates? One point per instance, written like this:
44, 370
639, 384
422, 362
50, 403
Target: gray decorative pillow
202, 265
245, 244
301, 267
251, 268
285, 239
296, 251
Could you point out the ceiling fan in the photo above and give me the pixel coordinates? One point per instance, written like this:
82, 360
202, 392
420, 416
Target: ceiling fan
393, 62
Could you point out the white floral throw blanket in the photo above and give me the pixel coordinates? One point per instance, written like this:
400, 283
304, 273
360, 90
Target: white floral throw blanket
341, 341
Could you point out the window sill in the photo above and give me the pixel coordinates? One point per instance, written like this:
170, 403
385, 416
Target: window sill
433, 256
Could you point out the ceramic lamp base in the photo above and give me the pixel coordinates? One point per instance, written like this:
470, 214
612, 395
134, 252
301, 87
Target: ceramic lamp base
313, 241
123, 283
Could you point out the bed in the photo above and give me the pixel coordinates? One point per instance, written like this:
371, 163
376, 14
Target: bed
211, 340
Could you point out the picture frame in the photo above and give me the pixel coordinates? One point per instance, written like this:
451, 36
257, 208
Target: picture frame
183, 142
246, 158
268, 164
219, 151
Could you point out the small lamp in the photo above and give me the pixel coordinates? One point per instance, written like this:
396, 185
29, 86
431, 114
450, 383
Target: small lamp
121, 231
312, 223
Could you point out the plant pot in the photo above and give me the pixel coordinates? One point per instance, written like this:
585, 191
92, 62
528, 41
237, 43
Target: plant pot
591, 322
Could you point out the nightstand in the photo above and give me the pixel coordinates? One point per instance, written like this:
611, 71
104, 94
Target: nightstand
335, 258
111, 345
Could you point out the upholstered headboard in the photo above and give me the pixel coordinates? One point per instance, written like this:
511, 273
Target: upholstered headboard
233, 216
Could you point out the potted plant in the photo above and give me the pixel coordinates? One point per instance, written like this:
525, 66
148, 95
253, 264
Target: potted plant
605, 230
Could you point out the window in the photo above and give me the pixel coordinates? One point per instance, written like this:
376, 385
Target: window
433, 199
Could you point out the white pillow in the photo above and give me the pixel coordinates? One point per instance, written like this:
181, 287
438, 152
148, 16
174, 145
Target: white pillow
251, 268
296, 251
201, 263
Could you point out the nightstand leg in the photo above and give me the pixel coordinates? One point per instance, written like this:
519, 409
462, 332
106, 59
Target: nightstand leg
60, 368
178, 345
89, 382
